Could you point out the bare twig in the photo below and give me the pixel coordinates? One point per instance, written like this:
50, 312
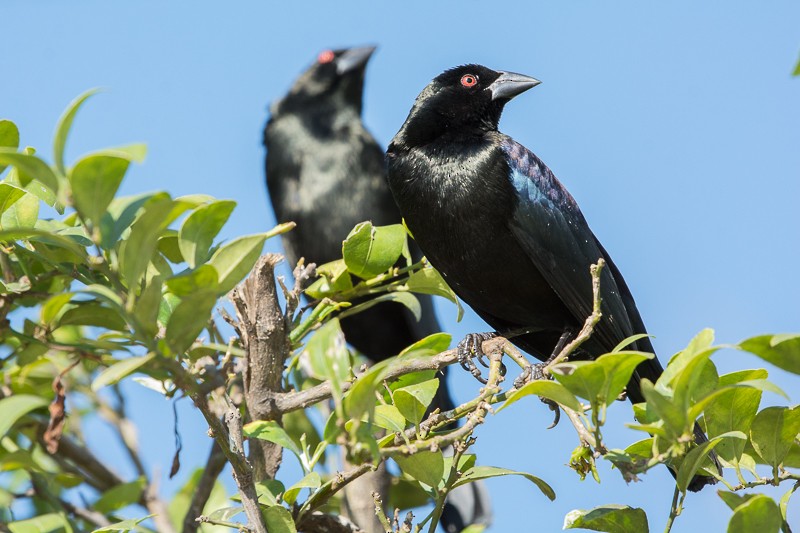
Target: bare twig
591, 321
382, 518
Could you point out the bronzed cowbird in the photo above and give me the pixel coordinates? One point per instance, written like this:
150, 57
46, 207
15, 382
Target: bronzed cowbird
326, 173
502, 230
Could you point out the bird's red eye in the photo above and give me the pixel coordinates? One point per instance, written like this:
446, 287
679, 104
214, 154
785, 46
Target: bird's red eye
325, 57
469, 80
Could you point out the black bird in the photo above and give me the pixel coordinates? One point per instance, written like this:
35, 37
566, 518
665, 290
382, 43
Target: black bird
326, 173
502, 230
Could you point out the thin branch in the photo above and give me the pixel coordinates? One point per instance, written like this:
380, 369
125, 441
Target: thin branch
767, 481
214, 465
591, 321
382, 518
292, 401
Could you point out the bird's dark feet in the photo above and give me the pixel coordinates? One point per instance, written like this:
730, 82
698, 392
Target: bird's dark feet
530, 373
533, 373
472, 346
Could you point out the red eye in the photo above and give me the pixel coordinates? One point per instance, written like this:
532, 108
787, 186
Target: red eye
325, 57
469, 80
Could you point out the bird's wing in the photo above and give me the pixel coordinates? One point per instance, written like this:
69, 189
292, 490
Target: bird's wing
551, 229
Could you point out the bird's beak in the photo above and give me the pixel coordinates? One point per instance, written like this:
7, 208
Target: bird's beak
510, 84
353, 59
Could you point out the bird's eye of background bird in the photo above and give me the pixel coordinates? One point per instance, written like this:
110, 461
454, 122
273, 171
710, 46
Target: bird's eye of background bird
469, 80
325, 56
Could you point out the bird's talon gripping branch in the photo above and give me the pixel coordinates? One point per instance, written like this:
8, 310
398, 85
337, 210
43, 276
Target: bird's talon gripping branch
471, 346
553, 407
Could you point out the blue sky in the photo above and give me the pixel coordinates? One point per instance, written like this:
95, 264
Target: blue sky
675, 126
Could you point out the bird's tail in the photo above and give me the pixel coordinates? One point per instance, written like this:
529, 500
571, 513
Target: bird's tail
651, 369
466, 505
699, 481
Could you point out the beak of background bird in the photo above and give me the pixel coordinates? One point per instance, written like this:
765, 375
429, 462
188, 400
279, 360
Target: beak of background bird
353, 59
510, 84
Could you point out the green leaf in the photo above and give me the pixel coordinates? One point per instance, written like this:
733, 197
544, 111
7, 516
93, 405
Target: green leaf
199, 229
9, 194
388, 417
93, 314
124, 525
333, 278
309, 481
484, 472
147, 306
694, 459
796, 69
63, 127
676, 421
39, 524
785, 354
602, 380
784, 503
134, 153
31, 166
630, 340
773, 432
189, 319
234, 260
168, 246
413, 400
271, 431
734, 500
120, 215
191, 281
360, 398
95, 180
12, 408
546, 389
424, 466
279, 520
9, 137
119, 370
120, 496
405, 298
371, 250
759, 513
430, 345
143, 239
609, 518
22, 213
733, 410
328, 356
429, 281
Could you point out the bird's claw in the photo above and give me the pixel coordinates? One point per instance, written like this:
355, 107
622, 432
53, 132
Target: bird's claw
530, 373
533, 373
472, 346
553, 407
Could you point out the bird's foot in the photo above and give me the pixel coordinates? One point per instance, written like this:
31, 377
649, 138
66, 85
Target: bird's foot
471, 347
533, 373
530, 373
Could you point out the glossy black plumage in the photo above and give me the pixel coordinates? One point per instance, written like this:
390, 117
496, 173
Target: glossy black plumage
502, 230
326, 173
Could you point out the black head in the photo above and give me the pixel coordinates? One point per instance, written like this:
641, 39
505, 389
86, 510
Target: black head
335, 76
464, 100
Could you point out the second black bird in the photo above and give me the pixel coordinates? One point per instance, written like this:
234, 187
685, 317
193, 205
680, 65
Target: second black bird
326, 173
502, 230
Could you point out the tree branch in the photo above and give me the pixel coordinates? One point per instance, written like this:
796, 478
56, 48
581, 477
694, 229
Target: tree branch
214, 465
263, 330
